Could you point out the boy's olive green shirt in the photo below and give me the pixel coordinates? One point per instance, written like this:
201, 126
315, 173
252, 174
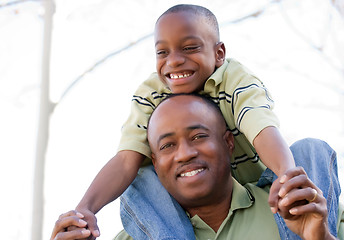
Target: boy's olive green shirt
245, 104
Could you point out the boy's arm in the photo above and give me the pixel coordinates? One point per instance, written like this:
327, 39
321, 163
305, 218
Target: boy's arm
276, 155
273, 150
110, 183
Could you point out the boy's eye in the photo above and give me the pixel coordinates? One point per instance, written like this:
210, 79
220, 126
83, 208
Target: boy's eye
160, 52
191, 48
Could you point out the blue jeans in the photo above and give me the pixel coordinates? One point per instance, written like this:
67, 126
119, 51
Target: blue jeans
148, 211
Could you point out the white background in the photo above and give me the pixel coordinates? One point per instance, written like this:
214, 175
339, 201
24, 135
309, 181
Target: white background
295, 46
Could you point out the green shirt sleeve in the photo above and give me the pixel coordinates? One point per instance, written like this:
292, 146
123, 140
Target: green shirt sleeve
251, 102
134, 131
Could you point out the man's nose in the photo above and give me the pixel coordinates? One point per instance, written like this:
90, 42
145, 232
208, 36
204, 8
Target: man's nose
175, 59
185, 152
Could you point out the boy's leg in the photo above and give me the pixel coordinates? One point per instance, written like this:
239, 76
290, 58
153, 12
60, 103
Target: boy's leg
320, 163
148, 211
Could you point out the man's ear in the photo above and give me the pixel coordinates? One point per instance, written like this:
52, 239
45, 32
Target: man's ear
153, 159
229, 138
220, 54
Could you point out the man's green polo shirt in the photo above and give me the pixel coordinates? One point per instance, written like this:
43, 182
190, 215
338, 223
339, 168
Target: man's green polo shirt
249, 217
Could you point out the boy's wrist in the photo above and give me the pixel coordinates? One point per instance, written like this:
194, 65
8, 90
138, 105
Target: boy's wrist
84, 206
284, 169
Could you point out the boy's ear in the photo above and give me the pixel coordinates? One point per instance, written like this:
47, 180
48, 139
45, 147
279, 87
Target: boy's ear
220, 54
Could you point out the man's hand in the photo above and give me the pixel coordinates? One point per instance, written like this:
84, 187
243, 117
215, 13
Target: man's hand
273, 195
73, 220
303, 206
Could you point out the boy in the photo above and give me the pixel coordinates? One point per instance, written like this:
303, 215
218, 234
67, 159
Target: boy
190, 58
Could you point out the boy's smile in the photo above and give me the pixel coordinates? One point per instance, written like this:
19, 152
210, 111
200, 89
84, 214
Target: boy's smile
179, 79
187, 51
179, 75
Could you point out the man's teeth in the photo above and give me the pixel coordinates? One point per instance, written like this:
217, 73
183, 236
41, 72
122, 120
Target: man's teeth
180, 75
192, 173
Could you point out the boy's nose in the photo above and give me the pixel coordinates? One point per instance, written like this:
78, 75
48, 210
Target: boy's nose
175, 59
185, 152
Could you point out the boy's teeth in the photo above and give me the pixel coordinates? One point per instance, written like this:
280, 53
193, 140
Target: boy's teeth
179, 75
192, 173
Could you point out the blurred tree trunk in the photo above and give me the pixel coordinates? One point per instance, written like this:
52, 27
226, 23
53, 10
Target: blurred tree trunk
45, 110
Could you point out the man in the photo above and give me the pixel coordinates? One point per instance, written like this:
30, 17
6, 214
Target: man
191, 151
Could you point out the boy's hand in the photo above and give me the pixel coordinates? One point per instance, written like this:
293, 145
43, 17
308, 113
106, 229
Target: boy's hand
70, 226
91, 220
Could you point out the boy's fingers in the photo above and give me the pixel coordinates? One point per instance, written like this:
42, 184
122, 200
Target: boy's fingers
292, 173
93, 227
71, 218
65, 222
290, 179
71, 213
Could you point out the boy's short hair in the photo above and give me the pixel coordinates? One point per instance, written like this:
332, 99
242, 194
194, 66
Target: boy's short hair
198, 11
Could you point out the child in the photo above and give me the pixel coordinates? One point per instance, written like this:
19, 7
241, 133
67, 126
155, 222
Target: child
191, 58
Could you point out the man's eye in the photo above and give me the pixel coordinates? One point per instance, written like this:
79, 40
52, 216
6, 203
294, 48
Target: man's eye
199, 136
165, 146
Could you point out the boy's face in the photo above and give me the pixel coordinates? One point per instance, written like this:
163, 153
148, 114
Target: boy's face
187, 51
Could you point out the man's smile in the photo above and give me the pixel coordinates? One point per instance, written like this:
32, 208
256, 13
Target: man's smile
192, 173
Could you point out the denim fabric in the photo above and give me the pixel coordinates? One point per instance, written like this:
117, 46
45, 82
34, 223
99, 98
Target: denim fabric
148, 211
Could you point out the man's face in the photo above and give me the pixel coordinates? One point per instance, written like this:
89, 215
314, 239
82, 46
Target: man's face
187, 51
191, 151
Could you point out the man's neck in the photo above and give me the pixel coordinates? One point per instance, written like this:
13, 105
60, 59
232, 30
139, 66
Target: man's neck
214, 214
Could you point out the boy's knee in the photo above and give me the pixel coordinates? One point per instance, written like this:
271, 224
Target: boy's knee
310, 146
147, 171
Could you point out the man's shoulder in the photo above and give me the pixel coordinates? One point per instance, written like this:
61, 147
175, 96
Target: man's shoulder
253, 188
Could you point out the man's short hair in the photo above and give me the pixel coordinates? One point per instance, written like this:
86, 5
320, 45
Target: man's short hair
206, 99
